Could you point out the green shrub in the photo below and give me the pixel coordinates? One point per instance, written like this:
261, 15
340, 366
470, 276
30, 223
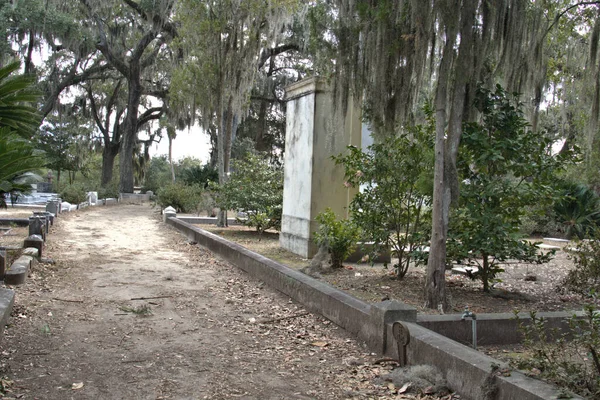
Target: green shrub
181, 197
585, 277
339, 236
256, 188
569, 359
74, 194
393, 206
109, 191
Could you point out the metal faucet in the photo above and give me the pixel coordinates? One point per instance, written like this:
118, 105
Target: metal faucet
470, 314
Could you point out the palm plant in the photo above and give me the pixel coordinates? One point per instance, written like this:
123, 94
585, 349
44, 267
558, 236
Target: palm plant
578, 210
16, 95
18, 121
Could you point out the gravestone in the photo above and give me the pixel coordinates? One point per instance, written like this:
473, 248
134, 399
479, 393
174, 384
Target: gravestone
35, 241
315, 131
37, 225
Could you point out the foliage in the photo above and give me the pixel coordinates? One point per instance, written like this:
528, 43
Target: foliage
505, 167
110, 191
15, 94
199, 175
392, 208
578, 210
66, 142
182, 198
17, 122
585, 277
256, 188
338, 236
158, 174
74, 193
570, 362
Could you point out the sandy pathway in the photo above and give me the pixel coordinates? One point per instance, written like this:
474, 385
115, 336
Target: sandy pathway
73, 333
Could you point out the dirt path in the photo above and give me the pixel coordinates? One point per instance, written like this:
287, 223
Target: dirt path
74, 333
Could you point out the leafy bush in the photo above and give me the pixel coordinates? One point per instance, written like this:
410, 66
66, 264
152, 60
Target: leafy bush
109, 191
338, 236
571, 359
256, 188
505, 167
74, 194
181, 197
585, 277
392, 208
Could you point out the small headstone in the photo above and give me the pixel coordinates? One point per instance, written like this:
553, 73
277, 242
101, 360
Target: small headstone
52, 207
35, 241
36, 225
46, 216
468, 271
92, 198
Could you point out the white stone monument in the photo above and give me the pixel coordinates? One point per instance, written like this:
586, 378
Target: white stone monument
312, 180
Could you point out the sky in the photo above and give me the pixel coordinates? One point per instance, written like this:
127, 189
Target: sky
188, 143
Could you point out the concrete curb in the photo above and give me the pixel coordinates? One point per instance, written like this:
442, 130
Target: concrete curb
466, 370
16, 221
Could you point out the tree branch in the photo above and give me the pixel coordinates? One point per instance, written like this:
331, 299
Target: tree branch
267, 53
150, 114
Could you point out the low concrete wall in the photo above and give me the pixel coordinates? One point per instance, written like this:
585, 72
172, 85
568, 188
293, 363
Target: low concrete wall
206, 220
136, 198
466, 370
492, 329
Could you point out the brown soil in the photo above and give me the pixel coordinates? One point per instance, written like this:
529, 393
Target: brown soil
80, 327
375, 283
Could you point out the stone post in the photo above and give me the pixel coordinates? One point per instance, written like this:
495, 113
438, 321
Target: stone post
312, 181
168, 213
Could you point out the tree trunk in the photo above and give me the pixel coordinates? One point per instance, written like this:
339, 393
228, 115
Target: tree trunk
109, 153
130, 130
485, 273
435, 283
171, 158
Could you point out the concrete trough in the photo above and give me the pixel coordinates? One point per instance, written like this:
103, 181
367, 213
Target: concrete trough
494, 329
207, 220
466, 370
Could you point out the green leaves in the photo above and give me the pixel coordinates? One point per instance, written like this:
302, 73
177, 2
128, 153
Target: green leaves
15, 93
395, 177
505, 167
340, 236
255, 187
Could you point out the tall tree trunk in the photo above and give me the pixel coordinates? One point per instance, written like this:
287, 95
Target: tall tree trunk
130, 130
171, 158
109, 153
435, 283
28, 58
